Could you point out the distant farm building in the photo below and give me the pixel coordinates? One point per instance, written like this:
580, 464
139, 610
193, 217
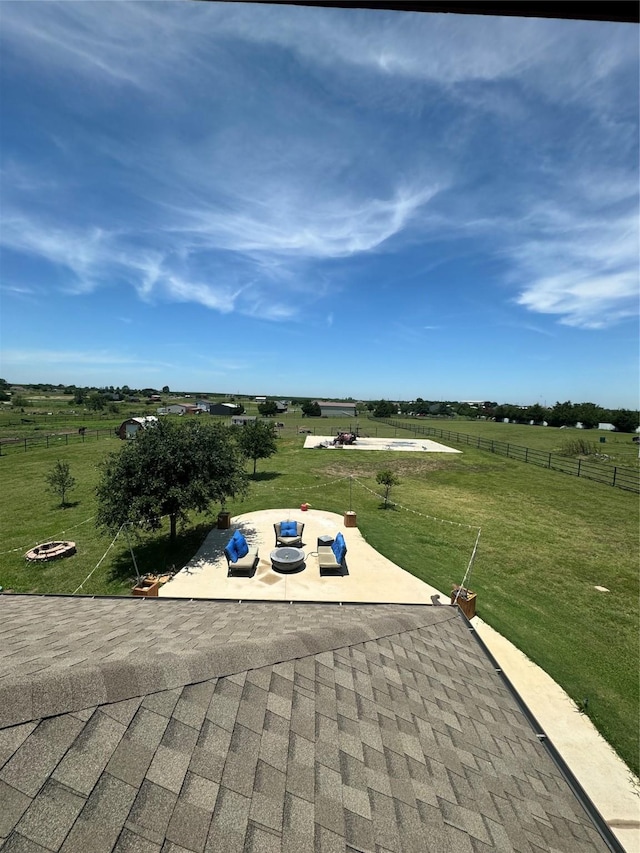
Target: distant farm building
227, 409
261, 399
281, 406
242, 420
129, 428
181, 409
336, 410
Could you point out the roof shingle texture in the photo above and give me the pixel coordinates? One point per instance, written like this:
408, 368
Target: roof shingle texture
212, 726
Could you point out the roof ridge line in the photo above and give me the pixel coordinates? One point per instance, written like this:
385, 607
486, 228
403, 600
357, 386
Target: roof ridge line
32, 696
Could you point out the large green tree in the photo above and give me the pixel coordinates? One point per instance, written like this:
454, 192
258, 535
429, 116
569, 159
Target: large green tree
589, 414
268, 409
311, 409
169, 469
536, 413
257, 440
384, 409
625, 420
562, 414
96, 402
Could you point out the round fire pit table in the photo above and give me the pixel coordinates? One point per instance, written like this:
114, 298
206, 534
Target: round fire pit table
287, 559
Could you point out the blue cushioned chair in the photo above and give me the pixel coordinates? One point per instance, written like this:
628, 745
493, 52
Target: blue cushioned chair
288, 533
331, 558
241, 559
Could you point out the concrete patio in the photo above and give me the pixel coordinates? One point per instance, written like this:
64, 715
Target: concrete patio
371, 577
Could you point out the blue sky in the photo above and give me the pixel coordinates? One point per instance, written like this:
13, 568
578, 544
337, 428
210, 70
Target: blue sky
321, 202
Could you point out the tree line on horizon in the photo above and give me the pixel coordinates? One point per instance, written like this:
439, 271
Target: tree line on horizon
560, 414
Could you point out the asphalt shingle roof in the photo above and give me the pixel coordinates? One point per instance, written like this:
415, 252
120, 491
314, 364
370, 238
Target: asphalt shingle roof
170, 726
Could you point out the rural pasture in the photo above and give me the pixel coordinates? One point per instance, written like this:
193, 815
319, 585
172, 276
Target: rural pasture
548, 540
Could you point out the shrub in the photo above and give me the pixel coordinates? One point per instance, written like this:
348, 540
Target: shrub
578, 447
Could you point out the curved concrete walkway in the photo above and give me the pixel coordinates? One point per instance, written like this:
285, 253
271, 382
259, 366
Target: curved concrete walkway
608, 782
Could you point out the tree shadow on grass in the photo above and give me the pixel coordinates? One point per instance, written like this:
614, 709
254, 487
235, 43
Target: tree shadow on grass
157, 555
264, 476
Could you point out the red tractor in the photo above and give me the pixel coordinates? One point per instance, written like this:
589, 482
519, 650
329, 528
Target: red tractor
345, 438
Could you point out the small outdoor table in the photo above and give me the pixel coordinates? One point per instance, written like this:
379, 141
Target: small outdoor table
287, 559
325, 540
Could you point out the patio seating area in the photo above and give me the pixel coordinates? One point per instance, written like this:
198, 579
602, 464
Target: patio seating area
288, 533
370, 576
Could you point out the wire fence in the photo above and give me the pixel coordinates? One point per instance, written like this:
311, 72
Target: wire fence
620, 478
80, 436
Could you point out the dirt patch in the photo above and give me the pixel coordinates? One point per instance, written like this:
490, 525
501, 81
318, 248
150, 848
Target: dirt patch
403, 467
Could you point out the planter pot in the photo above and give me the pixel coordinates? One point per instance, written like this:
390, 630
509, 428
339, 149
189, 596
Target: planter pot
466, 601
350, 519
224, 520
146, 587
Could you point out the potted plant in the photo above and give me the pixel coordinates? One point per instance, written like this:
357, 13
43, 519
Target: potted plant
147, 586
465, 599
224, 518
304, 506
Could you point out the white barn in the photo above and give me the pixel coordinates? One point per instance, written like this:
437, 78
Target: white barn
336, 410
129, 429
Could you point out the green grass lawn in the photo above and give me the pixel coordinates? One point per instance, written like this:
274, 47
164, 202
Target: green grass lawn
547, 540
619, 447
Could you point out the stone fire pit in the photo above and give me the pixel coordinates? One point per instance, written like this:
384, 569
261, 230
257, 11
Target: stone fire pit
50, 551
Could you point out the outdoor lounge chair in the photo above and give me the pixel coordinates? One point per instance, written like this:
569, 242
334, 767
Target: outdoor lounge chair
240, 558
331, 558
288, 533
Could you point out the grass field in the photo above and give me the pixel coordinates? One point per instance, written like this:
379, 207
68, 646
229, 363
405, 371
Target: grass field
547, 541
619, 447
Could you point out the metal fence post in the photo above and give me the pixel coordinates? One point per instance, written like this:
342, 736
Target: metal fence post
549, 464
579, 466
615, 473
25, 445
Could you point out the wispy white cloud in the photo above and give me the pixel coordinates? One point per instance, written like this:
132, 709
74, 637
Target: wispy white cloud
122, 45
582, 267
360, 134
440, 48
17, 289
530, 327
284, 223
81, 39
78, 251
15, 358
584, 299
